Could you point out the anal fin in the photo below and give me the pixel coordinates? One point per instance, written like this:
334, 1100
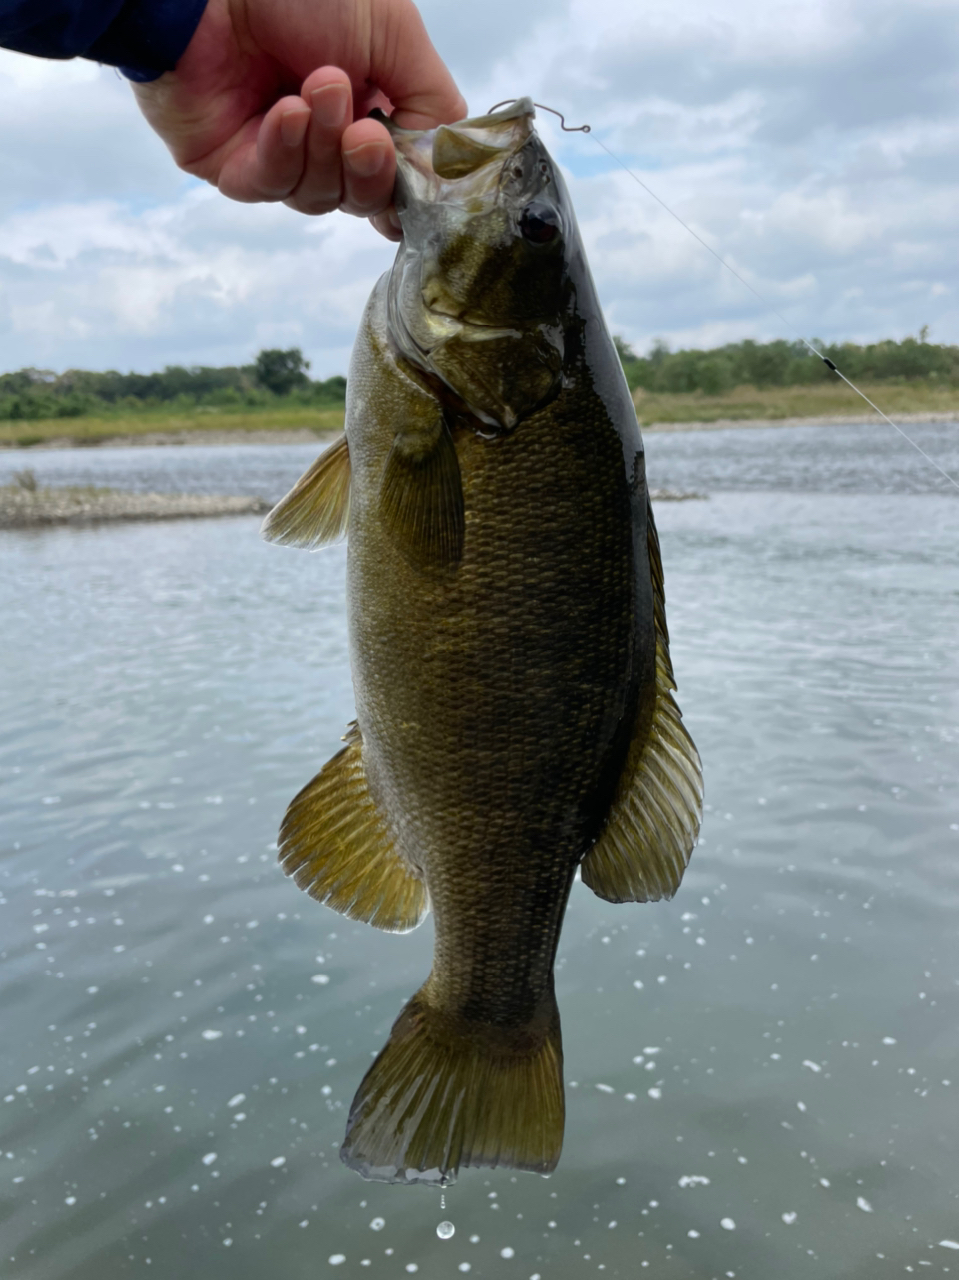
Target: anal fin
317, 508
654, 820
335, 844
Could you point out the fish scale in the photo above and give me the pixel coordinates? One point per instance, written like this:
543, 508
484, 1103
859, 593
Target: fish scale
508, 642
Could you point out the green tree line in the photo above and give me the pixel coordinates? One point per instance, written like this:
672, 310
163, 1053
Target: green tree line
275, 375
283, 375
787, 364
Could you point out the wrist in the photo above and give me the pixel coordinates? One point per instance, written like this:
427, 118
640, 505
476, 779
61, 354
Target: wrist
148, 37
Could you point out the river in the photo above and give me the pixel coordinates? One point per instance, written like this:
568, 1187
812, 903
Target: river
762, 1075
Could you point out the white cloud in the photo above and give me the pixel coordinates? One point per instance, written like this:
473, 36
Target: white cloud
814, 147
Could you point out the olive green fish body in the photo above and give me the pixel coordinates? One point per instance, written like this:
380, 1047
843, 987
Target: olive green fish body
492, 700
509, 650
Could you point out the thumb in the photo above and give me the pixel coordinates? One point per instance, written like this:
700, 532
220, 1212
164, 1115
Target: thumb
406, 68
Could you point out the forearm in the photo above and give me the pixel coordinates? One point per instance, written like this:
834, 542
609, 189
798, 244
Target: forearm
143, 38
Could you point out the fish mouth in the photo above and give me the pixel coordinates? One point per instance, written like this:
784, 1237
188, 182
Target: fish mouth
446, 318
431, 163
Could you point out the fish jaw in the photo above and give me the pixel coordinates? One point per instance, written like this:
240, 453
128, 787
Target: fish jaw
474, 301
431, 163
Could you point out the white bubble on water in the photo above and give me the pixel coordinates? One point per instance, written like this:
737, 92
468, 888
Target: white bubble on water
446, 1230
278, 1161
464, 1266
789, 1218
377, 1224
211, 1035
507, 1252
949, 1244
236, 1100
321, 979
864, 1204
336, 1258
889, 1040
727, 1224
209, 1157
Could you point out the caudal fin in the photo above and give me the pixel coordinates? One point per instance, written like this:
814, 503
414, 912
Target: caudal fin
444, 1095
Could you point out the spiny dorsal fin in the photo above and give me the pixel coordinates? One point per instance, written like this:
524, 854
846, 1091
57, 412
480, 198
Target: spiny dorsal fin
335, 844
654, 819
317, 508
421, 498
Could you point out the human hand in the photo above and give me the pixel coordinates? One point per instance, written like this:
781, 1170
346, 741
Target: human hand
269, 100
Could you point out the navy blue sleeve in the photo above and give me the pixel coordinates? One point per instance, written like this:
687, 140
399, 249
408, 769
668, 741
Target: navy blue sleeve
143, 38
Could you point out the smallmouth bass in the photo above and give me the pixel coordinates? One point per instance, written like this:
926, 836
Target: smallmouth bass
514, 708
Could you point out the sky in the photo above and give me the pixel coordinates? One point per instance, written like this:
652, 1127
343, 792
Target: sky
814, 146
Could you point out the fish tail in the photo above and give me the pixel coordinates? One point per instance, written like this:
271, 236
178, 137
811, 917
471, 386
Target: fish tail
446, 1093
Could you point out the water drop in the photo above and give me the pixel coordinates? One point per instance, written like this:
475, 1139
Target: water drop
445, 1230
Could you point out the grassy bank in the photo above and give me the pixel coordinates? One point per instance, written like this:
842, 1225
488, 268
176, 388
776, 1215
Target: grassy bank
747, 404
193, 424
769, 403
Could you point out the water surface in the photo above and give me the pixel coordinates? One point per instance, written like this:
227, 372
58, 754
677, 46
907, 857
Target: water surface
762, 1075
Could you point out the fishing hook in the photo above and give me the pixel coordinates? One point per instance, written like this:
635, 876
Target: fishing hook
569, 128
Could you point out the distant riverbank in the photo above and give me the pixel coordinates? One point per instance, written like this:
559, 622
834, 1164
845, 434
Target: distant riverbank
820, 405
320, 436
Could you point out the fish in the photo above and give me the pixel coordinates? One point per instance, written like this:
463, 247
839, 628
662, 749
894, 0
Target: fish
515, 718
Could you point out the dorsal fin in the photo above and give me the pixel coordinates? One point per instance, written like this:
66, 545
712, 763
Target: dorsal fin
334, 842
317, 508
654, 819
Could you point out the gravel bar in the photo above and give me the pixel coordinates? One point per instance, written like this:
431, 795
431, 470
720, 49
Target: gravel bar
25, 509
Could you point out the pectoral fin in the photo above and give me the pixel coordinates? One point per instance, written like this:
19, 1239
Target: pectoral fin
335, 844
317, 508
421, 498
655, 816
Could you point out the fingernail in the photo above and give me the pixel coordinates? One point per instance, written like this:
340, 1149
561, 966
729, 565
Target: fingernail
367, 159
293, 127
329, 105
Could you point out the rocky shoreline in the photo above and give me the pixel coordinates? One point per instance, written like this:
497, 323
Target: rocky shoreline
23, 508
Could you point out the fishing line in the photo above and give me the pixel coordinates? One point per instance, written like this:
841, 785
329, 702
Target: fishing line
585, 128
765, 301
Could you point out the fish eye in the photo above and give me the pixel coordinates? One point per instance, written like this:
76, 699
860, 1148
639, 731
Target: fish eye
539, 223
